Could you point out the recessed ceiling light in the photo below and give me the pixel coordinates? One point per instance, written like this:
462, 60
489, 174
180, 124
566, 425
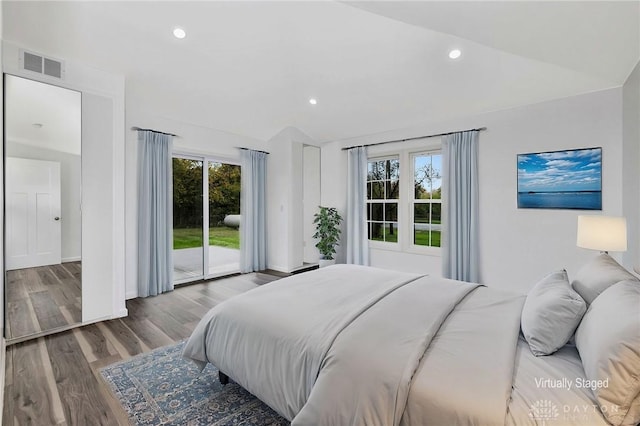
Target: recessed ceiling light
37, 125
455, 54
313, 101
179, 33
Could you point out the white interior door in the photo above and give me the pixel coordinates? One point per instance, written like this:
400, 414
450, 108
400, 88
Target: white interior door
32, 213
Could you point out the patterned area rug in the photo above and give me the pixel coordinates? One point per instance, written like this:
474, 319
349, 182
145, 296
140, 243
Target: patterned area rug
162, 388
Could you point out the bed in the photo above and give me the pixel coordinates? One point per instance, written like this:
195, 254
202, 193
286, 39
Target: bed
364, 346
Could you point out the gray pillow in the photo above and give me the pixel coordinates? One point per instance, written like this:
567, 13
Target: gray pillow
608, 340
599, 274
551, 313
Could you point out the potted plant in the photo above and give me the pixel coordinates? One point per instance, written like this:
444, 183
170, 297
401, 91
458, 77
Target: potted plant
327, 222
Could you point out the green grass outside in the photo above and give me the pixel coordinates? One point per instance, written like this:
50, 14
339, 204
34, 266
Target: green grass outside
422, 238
220, 236
223, 236
388, 236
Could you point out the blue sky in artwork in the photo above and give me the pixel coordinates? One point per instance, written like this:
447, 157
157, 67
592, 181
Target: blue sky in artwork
561, 171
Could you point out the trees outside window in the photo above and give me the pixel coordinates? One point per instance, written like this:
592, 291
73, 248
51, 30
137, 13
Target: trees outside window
404, 200
383, 190
427, 199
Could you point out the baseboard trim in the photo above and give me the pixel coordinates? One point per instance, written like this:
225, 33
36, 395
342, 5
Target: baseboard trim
71, 259
131, 295
278, 268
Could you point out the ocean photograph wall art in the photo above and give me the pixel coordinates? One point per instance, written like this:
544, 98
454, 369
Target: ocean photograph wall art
570, 179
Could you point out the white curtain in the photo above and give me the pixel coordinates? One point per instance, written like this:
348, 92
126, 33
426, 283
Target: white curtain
155, 215
460, 206
253, 230
357, 242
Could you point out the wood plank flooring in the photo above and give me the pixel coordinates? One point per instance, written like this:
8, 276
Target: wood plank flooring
55, 380
43, 298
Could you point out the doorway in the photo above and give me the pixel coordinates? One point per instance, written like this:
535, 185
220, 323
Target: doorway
33, 199
206, 218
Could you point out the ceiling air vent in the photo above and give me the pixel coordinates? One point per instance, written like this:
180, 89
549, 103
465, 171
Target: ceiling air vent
42, 65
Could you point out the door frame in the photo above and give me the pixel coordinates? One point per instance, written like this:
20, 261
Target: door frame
206, 159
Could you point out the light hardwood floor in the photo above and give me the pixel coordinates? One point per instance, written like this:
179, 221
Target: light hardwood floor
43, 298
54, 380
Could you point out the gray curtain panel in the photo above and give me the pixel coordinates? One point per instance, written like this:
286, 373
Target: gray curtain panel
155, 214
357, 242
253, 230
460, 206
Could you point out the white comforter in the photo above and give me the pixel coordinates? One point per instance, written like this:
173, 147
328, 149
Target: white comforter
350, 345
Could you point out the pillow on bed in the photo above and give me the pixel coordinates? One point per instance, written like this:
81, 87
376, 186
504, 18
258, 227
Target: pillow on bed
551, 313
599, 274
608, 340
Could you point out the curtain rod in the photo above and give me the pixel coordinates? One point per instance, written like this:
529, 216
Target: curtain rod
256, 150
479, 129
156, 131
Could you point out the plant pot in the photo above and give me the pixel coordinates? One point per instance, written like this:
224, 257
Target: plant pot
326, 262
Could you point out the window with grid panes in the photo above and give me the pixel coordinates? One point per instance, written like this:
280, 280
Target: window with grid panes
383, 181
426, 208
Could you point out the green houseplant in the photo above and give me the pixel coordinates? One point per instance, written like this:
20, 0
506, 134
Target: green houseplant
327, 221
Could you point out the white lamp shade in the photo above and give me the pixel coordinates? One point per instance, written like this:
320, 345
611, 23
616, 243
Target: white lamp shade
604, 233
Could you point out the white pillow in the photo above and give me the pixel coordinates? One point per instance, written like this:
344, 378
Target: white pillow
599, 274
551, 313
608, 340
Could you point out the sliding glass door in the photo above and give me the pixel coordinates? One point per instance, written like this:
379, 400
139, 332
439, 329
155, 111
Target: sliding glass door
206, 218
224, 218
187, 219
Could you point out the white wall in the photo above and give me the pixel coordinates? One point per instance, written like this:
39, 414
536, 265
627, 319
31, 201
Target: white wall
279, 170
192, 139
103, 235
631, 165
518, 246
333, 186
70, 178
285, 204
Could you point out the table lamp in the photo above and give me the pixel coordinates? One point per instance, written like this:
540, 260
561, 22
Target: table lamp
604, 233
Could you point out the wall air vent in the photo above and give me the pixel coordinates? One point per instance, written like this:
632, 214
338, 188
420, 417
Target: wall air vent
42, 65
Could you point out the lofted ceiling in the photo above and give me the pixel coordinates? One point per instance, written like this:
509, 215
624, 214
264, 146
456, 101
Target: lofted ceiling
250, 67
600, 38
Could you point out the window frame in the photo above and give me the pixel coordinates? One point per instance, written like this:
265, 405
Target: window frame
386, 245
405, 198
206, 159
417, 248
